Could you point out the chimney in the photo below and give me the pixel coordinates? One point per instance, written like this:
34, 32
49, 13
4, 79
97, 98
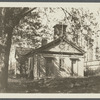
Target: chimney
59, 30
44, 41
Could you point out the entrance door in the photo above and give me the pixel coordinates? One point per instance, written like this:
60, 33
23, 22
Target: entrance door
49, 67
74, 67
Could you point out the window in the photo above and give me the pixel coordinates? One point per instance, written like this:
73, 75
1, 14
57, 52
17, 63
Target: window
61, 63
49, 60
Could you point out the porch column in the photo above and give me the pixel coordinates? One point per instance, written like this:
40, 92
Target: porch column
35, 71
28, 67
72, 67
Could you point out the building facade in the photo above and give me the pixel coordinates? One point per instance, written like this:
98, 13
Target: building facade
59, 58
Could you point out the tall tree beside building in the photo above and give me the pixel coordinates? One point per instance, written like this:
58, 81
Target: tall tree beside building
10, 18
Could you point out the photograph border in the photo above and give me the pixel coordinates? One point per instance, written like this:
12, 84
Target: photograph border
75, 97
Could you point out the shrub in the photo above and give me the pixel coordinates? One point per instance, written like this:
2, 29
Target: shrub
92, 72
11, 72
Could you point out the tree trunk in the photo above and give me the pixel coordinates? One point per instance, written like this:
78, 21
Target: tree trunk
8, 29
6, 58
21, 71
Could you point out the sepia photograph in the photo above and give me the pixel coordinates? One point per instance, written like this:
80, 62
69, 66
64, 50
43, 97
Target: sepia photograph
50, 48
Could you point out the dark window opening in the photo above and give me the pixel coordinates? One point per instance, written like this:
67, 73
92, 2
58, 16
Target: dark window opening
49, 60
61, 64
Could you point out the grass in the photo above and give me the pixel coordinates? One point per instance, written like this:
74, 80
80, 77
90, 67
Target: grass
62, 85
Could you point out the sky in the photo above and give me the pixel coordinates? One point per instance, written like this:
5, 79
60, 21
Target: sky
92, 6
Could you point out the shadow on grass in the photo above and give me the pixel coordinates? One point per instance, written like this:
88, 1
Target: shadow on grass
61, 85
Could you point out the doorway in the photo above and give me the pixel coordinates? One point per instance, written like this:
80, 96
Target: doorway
49, 66
74, 67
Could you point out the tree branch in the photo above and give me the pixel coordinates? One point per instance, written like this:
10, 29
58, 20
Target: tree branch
27, 12
21, 15
66, 11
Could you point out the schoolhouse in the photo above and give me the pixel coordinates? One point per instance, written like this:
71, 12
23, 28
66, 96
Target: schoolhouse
58, 58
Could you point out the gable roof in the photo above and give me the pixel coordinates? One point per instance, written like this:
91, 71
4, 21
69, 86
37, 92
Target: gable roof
57, 41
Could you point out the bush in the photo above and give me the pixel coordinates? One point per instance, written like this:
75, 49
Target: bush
91, 72
21, 75
11, 72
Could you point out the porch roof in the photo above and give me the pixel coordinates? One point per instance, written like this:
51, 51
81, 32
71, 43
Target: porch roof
21, 52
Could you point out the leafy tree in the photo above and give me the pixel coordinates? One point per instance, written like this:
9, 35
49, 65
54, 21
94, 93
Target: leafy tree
27, 31
10, 18
81, 22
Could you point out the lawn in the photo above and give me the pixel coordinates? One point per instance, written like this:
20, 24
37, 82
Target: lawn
62, 85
